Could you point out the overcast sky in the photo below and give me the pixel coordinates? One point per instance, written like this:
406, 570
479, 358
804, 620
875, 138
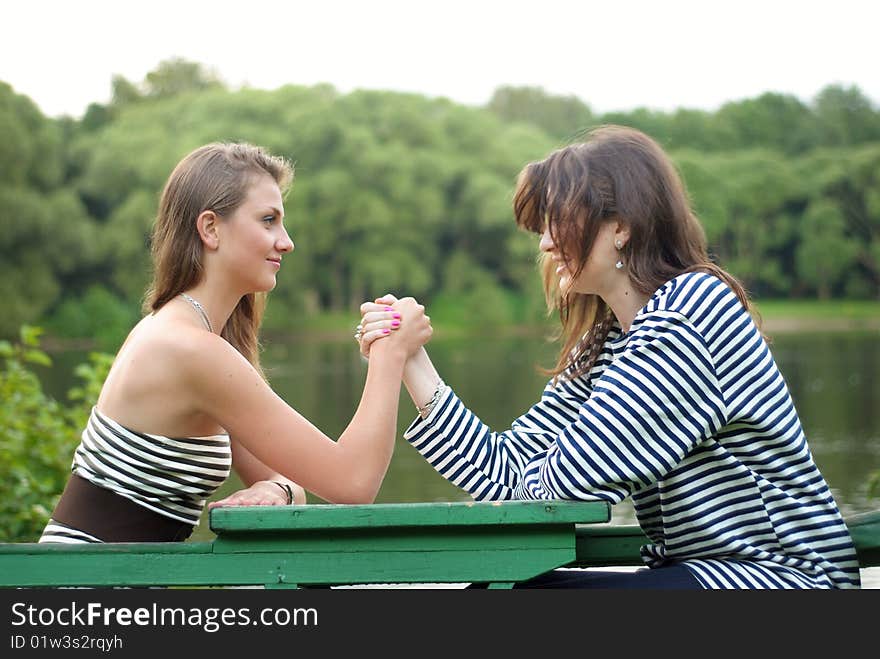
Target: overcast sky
613, 54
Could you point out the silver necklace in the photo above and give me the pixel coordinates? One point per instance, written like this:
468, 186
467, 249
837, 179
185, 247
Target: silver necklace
198, 307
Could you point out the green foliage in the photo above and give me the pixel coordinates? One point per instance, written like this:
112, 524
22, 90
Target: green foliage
29, 143
846, 117
37, 435
98, 315
393, 188
856, 311
482, 308
563, 117
825, 250
177, 76
771, 120
45, 234
874, 484
471, 296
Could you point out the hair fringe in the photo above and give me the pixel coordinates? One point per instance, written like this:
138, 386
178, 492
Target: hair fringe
621, 174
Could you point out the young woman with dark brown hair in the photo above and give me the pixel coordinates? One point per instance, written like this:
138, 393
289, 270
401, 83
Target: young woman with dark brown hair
664, 391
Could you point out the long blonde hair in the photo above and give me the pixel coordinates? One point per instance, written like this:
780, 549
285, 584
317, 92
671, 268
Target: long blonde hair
616, 174
214, 177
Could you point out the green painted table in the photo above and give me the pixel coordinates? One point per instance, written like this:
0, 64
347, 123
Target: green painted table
289, 546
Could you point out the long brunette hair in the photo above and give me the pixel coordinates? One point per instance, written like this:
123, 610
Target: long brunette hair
616, 174
214, 177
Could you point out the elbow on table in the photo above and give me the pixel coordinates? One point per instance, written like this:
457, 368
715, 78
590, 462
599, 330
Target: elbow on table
357, 492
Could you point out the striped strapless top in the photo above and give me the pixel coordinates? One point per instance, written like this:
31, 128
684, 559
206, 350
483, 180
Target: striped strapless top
171, 476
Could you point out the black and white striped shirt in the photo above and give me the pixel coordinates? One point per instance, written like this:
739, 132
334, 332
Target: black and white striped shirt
170, 476
688, 414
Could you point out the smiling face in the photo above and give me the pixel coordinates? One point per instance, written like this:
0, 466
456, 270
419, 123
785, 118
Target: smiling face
253, 240
598, 274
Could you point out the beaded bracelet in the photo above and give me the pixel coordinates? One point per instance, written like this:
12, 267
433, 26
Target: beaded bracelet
425, 409
287, 490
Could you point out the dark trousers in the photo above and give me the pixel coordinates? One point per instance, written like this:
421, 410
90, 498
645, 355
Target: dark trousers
673, 577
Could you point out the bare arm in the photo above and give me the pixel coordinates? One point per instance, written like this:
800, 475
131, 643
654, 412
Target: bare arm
420, 376
349, 470
260, 482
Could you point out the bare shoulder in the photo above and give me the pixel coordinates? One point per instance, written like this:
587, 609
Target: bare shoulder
193, 353
158, 341
164, 370
209, 357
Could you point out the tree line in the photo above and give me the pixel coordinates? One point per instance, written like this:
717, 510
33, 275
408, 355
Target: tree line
404, 193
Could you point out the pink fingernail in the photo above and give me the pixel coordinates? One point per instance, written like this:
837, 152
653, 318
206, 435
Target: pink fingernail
395, 323
397, 315
389, 308
386, 331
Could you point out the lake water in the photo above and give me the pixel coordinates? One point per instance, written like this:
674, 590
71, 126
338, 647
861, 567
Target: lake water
834, 379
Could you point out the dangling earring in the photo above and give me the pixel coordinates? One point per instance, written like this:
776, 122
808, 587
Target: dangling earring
619, 245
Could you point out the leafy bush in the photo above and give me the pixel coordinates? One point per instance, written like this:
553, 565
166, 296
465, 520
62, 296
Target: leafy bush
874, 484
98, 315
37, 435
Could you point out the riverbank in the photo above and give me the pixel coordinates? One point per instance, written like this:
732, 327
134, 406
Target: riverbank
787, 316
775, 316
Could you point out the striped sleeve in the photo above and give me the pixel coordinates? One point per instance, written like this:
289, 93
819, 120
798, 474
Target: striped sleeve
652, 404
489, 464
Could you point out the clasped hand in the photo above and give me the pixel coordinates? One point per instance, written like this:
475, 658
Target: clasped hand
404, 319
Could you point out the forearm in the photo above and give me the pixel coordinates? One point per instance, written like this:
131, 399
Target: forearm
368, 441
420, 378
488, 464
466, 451
251, 470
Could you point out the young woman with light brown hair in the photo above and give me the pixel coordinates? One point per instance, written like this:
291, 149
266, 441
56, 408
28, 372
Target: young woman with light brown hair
186, 399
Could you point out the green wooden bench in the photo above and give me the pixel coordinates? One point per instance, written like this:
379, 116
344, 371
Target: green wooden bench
606, 545
290, 546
